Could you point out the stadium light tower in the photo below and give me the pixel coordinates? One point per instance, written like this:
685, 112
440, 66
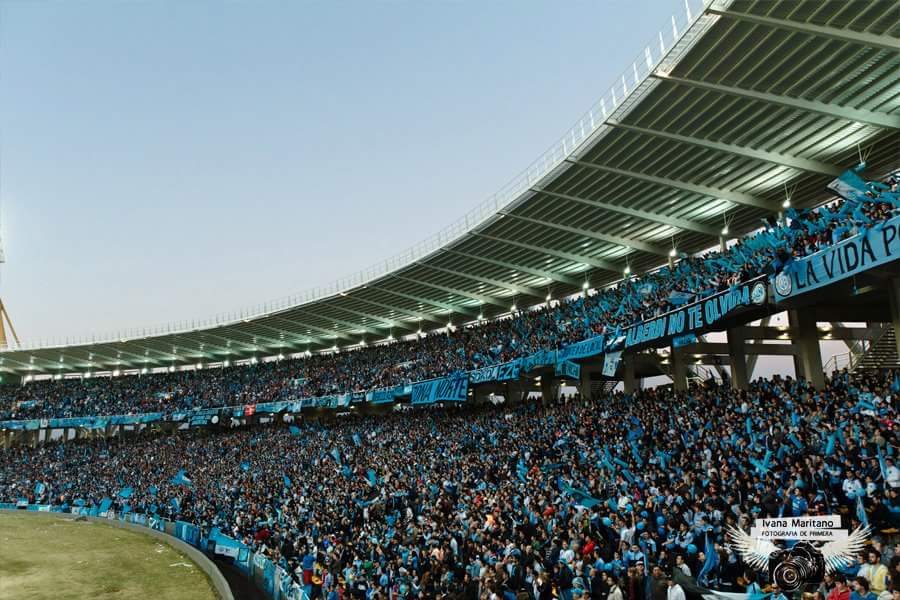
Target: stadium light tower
5, 321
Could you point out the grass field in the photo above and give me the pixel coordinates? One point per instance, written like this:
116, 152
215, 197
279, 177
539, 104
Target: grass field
44, 555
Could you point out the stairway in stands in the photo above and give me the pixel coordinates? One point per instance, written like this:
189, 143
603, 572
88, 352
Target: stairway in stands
603, 387
881, 355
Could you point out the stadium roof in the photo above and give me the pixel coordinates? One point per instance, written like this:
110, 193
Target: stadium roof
736, 106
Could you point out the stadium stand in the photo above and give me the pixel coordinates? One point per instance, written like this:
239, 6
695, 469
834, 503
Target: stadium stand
575, 495
608, 312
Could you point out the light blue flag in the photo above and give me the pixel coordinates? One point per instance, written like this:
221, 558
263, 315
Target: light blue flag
712, 561
295, 431
153, 490
861, 511
287, 481
126, 492
181, 479
336, 455
39, 488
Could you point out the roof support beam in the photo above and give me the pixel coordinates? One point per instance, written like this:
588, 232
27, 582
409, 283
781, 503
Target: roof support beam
480, 297
558, 277
382, 322
703, 190
867, 117
282, 332
161, 356
609, 239
882, 42
517, 288
597, 263
639, 214
436, 303
228, 348
364, 328
795, 162
421, 316
325, 332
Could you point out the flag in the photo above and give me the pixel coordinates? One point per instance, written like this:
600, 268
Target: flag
881, 464
245, 466
295, 431
861, 511
287, 481
126, 492
181, 479
371, 477
153, 490
39, 488
356, 439
636, 454
712, 561
829, 449
336, 455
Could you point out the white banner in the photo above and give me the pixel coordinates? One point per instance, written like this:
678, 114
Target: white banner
823, 529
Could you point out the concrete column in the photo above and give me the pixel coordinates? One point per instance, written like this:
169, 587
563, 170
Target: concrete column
738, 358
894, 296
806, 343
480, 394
549, 389
679, 369
515, 392
588, 370
628, 379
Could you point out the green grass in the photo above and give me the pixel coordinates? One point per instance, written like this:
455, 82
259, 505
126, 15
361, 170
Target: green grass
45, 555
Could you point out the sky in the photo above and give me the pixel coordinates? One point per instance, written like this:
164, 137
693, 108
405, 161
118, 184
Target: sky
169, 160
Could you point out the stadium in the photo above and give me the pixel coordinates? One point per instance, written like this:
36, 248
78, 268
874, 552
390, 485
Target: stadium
561, 395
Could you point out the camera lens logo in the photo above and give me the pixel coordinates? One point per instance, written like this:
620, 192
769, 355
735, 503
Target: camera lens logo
790, 569
783, 284
804, 564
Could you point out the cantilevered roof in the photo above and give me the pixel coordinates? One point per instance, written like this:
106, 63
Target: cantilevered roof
736, 105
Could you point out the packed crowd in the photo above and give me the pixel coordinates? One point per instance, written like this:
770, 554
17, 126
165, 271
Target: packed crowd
610, 311
599, 498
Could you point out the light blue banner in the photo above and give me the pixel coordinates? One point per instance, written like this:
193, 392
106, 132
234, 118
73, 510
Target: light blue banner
875, 247
589, 347
568, 369
611, 363
383, 395
697, 316
447, 389
483, 375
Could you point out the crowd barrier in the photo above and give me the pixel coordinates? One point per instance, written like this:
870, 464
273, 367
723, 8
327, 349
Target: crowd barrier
271, 579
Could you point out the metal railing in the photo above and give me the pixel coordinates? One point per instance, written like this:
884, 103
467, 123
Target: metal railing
856, 352
662, 53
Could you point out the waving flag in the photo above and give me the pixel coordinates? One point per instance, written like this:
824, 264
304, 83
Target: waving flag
181, 479
712, 561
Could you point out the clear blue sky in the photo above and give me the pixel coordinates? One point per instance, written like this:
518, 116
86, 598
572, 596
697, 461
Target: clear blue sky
170, 160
